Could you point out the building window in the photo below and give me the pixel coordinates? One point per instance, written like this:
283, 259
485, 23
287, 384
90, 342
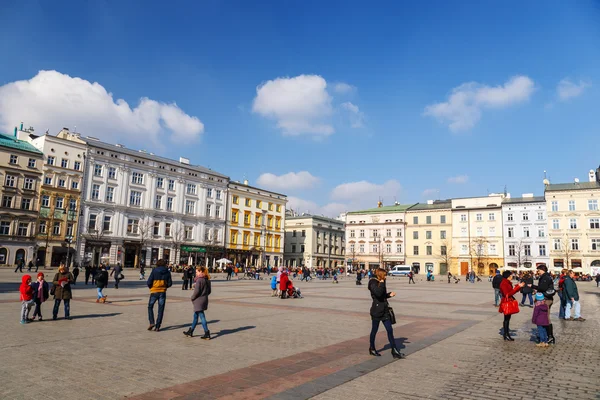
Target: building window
492, 231
112, 173
64, 163
557, 245
416, 250
351, 234
7, 201
10, 181
62, 183
555, 224
509, 217
92, 222
492, 216
59, 202
542, 248
189, 232
233, 237
167, 229
541, 232
31, 163
463, 231
428, 219
169, 204
388, 233
479, 217
209, 193
443, 250
416, 220
156, 229
442, 234
137, 178
258, 204
234, 217
106, 223
398, 232
133, 225
278, 208
525, 216
158, 202
554, 206
218, 194
28, 183
511, 250
208, 210
463, 217
4, 228
398, 248
217, 211
95, 192
43, 227
479, 231
526, 231
427, 234
76, 165
595, 244
190, 207
361, 248
235, 199
511, 232
247, 220
72, 204
388, 248
574, 244
14, 159
159, 182
415, 235
571, 205
594, 223
110, 192
572, 223
429, 250
593, 205
191, 188
45, 201
50, 160
527, 250
303, 233
442, 219
135, 198
352, 248
248, 203
375, 233
74, 185
25, 204
97, 170
361, 233
23, 228
171, 184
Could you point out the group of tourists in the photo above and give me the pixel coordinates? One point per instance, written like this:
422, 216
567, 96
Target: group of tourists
543, 293
282, 286
36, 293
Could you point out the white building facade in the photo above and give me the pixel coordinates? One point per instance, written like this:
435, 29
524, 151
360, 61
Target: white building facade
139, 208
525, 226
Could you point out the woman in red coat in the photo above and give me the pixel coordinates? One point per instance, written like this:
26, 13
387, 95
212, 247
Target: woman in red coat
283, 284
508, 291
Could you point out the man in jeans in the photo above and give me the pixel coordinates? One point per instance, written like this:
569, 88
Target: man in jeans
571, 294
496, 285
158, 282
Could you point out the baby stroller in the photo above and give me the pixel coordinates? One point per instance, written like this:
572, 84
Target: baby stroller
293, 292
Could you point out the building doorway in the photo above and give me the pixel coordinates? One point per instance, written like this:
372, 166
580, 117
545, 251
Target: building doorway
19, 255
492, 268
130, 255
3, 255
443, 269
416, 267
464, 267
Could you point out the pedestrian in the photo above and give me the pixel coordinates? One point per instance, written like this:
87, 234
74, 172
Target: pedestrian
26, 296
541, 319
20, 265
571, 294
283, 284
41, 289
158, 283
561, 295
62, 291
496, 285
598, 279
75, 274
546, 286
192, 276
527, 290
411, 278
202, 290
381, 312
88, 271
508, 291
450, 276
118, 274
142, 272
37, 264
274, 286
184, 278
101, 283
30, 266
93, 273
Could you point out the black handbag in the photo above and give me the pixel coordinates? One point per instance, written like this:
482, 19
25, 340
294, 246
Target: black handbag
392, 315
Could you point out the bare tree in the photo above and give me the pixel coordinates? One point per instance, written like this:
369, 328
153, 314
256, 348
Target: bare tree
567, 251
445, 256
145, 228
519, 250
354, 262
177, 239
479, 253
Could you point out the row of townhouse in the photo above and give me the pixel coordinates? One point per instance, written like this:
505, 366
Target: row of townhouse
559, 229
69, 197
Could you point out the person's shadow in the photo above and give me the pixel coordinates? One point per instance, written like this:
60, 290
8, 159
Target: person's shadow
224, 332
400, 344
172, 327
95, 315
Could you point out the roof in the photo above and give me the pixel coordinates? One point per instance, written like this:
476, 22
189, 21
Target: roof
534, 199
572, 186
135, 153
316, 217
244, 186
383, 209
13, 143
437, 205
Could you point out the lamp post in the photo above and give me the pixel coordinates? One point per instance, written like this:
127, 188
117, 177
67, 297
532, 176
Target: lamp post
69, 240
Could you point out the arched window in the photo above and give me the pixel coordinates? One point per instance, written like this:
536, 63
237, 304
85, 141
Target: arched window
3, 255
20, 254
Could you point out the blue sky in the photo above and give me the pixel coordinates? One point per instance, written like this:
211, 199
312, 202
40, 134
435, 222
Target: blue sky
334, 103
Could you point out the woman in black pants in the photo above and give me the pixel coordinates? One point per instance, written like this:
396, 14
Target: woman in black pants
380, 312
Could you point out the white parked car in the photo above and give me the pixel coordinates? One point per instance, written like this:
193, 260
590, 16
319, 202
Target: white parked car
399, 270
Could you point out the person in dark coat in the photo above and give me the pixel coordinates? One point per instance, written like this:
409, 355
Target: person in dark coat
75, 274
380, 312
496, 286
546, 285
117, 271
88, 271
191, 276
200, 301
158, 283
527, 290
507, 291
101, 283
41, 294
571, 294
62, 291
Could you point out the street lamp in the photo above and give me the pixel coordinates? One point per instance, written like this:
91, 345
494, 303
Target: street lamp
68, 240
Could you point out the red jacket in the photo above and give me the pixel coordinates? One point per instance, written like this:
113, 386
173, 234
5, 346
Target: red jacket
507, 289
25, 289
283, 281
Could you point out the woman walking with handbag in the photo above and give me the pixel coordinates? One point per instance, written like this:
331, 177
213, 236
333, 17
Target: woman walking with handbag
381, 312
508, 304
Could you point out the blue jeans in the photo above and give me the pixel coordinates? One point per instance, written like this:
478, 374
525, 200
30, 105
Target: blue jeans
497, 295
390, 333
67, 308
525, 295
202, 320
563, 305
162, 299
100, 294
543, 334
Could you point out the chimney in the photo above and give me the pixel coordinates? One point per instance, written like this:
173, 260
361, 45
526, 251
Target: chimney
184, 160
15, 131
430, 202
246, 182
592, 176
21, 126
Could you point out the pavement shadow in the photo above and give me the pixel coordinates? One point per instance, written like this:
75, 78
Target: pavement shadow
123, 301
513, 332
95, 315
400, 344
224, 332
172, 327
533, 335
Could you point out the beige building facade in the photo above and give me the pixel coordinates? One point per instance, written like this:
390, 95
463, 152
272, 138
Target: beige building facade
429, 237
574, 224
477, 239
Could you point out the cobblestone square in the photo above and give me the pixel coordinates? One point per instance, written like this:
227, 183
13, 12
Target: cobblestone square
315, 347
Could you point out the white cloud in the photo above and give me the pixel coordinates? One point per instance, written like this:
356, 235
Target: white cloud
430, 193
343, 88
289, 181
460, 179
568, 89
364, 189
51, 100
356, 116
465, 104
300, 105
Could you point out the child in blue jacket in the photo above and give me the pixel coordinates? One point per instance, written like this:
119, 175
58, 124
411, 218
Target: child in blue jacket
274, 286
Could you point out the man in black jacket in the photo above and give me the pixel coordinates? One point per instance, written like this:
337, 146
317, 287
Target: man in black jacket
496, 285
546, 286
